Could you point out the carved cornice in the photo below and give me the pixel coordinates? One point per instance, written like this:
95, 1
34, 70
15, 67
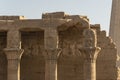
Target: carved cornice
52, 54
90, 53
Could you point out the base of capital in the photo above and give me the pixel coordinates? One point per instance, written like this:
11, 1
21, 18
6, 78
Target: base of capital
52, 54
90, 49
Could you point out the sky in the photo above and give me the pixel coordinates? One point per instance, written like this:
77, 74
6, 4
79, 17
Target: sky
98, 11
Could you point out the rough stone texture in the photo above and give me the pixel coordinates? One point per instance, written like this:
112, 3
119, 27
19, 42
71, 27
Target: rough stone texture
32, 62
53, 15
107, 58
51, 49
115, 25
89, 52
11, 17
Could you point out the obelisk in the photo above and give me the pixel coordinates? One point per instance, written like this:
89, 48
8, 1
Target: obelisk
114, 32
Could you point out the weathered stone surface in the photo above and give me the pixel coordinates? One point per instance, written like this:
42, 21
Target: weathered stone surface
115, 26
90, 51
106, 60
59, 15
51, 49
13, 60
11, 17
51, 56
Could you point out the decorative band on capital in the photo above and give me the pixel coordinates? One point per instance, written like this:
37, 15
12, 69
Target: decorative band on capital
52, 54
89, 49
90, 53
13, 53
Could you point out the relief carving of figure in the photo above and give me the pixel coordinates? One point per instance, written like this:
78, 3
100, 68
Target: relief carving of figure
32, 47
70, 48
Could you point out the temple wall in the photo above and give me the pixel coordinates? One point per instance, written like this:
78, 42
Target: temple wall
54, 43
70, 63
106, 62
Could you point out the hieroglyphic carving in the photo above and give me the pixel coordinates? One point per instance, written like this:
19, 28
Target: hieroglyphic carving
70, 41
32, 45
32, 48
70, 48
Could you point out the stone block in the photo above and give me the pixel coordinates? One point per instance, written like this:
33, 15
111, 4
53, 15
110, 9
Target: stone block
11, 17
59, 15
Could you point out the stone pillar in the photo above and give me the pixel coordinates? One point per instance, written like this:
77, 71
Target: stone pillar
51, 53
90, 55
51, 57
51, 38
13, 57
90, 52
13, 53
13, 39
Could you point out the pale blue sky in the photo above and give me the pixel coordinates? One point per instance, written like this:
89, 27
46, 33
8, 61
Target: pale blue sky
97, 10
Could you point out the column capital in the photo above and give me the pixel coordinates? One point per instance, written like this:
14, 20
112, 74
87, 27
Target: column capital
90, 53
52, 54
13, 53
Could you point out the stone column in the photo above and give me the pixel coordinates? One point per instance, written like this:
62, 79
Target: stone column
51, 57
13, 53
51, 38
90, 52
13, 57
51, 53
90, 55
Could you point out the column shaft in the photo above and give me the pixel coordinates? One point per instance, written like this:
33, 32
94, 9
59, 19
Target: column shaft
13, 57
90, 56
89, 71
51, 70
51, 57
13, 69
51, 53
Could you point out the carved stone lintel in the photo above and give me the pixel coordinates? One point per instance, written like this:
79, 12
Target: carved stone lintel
52, 54
90, 53
13, 53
